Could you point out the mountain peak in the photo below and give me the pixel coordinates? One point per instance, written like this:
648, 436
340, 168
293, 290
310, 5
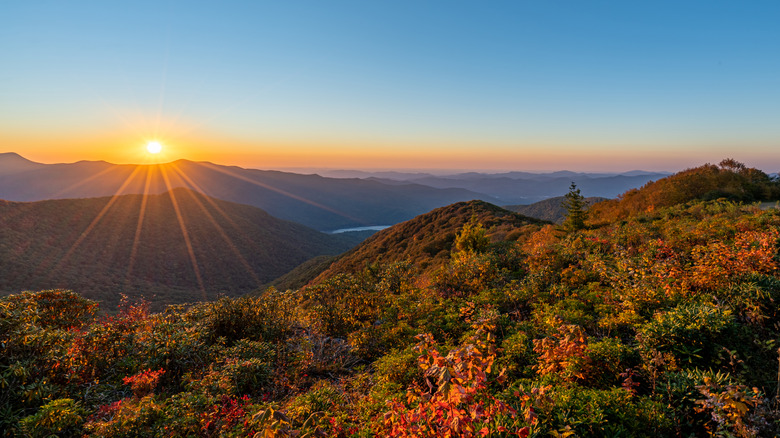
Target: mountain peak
12, 163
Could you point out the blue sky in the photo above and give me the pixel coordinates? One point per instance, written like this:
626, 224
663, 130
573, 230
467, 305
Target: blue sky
525, 85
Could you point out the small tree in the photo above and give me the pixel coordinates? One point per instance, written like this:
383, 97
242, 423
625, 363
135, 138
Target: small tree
472, 237
576, 209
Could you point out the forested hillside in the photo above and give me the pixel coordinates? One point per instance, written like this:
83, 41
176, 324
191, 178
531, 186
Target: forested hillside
175, 247
660, 321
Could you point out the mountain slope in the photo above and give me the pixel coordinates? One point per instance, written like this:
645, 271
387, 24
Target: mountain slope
184, 247
428, 239
729, 179
315, 201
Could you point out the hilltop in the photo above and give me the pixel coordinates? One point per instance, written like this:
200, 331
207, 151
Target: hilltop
730, 180
428, 239
179, 246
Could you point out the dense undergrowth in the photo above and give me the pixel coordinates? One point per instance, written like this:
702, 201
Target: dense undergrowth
664, 323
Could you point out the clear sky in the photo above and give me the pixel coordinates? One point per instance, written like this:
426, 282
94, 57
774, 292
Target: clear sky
502, 85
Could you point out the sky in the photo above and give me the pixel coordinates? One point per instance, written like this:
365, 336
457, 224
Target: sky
468, 85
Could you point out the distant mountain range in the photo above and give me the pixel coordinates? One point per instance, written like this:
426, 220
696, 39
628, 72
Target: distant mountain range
518, 187
324, 203
315, 201
181, 246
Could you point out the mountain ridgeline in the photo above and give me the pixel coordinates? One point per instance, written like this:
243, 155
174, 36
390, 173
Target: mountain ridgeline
353, 199
321, 203
180, 246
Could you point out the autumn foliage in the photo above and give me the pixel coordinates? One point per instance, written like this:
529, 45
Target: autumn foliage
661, 321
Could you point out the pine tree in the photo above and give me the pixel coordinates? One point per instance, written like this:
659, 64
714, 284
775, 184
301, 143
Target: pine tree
576, 209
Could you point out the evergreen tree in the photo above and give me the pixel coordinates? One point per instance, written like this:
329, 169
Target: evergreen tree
576, 209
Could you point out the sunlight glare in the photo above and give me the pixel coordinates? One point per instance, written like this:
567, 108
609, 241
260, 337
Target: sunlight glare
154, 147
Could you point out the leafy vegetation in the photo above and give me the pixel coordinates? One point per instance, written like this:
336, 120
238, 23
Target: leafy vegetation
730, 180
662, 322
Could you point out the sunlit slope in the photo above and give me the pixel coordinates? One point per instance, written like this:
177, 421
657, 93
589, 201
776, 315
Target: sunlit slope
179, 246
428, 239
729, 179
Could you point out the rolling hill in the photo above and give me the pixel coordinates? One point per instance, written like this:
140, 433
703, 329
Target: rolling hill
428, 239
729, 179
181, 246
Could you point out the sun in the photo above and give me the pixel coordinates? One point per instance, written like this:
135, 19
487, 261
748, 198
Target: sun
154, 147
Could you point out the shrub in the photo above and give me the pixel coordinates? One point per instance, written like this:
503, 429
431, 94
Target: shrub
689, 331
609, 358
608, 413
60, 417
563, 354
269, 317
322, 397
456, 402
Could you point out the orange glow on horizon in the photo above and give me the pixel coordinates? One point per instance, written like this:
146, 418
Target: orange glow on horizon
119, 148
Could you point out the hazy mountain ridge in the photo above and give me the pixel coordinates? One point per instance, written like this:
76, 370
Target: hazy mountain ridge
319, 202
518, 187
526, 191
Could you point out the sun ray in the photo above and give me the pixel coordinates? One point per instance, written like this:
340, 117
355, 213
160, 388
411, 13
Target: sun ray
184, 232
105, 171
141, 214
216, 225
84, 234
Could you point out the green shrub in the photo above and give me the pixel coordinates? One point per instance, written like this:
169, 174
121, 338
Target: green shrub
395, 371
322, 397
268, 317
602, 413
689, 331
517, 355
61, 417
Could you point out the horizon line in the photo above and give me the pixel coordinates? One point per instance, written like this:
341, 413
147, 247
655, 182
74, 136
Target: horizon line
403, 170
